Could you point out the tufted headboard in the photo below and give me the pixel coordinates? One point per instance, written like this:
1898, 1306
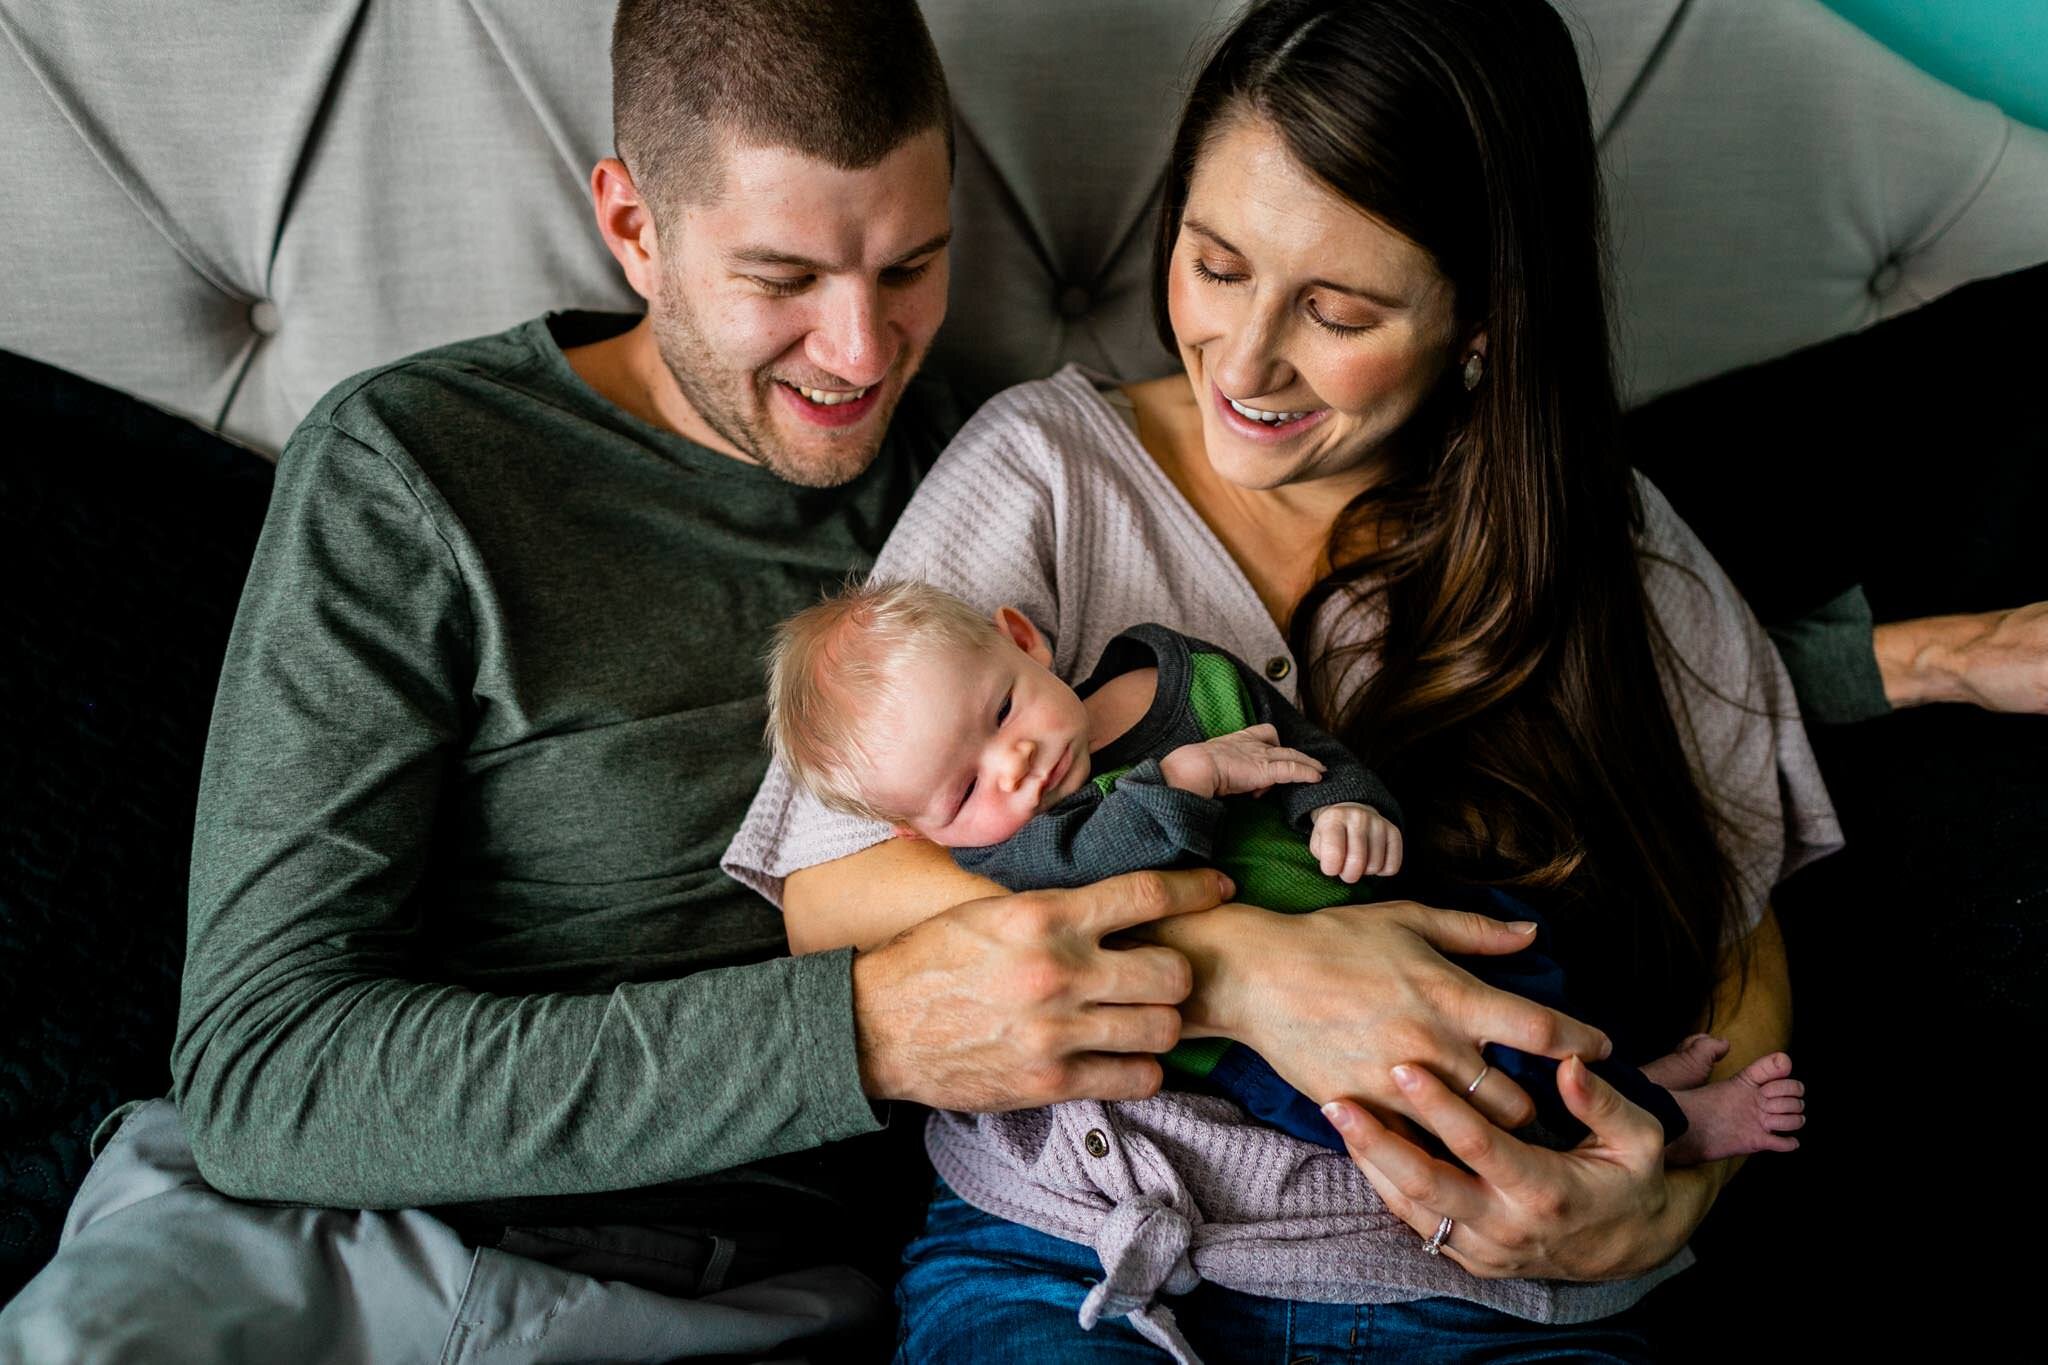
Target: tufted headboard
226, 207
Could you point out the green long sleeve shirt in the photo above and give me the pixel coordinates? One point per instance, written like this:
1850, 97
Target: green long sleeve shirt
490, 713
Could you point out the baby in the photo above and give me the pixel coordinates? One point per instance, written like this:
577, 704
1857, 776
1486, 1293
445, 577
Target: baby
900, 703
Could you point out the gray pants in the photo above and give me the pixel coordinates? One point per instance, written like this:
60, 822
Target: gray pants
156, 1265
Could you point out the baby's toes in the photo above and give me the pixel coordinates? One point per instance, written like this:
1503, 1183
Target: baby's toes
1709, 1048
1775, 1066
1778, 1142
1783, 1123
1778, 1090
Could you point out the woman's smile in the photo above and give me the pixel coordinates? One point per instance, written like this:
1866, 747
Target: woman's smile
1268, 426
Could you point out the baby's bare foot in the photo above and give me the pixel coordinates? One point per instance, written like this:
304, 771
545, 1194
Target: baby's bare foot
1689, 1064
1751, 1111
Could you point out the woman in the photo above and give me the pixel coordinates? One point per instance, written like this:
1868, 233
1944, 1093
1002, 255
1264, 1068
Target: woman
1394, 441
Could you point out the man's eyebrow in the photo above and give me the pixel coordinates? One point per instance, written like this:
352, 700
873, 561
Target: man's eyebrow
1387, 301
768, 255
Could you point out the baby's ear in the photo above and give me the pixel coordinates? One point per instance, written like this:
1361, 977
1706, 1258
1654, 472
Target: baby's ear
1018, 630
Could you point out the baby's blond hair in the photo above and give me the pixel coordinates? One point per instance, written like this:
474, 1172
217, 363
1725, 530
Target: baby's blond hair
832, 666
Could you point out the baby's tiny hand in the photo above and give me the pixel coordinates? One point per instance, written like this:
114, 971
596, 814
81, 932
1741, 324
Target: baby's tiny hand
1245, 762
1352, 841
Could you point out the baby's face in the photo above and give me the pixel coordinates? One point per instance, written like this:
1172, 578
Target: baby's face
984, 740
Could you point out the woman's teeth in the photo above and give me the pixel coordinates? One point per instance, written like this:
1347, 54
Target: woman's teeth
1259, 415
829, 399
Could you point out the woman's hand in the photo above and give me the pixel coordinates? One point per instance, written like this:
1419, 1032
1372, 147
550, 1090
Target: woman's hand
1334, 1000
1605, 1210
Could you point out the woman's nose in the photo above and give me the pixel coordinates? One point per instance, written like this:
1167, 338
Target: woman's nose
1246, 360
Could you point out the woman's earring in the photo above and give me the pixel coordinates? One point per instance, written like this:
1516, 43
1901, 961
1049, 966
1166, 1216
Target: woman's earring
1475, 366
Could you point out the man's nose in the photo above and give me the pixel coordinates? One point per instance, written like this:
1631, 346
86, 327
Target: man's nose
1017, 764
851, 340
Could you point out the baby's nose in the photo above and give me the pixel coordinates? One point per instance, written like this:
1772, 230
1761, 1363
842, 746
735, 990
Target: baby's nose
1021, 755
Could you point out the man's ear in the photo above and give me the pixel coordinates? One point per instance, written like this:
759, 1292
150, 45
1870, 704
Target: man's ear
627, 225
1018, 630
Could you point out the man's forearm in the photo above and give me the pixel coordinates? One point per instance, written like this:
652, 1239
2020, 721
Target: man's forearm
1994, 659
385, 1093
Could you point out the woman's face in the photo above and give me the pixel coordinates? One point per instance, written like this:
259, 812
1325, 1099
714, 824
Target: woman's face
1310, 331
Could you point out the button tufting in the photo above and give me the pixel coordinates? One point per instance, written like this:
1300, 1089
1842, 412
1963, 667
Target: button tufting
1074, 302
1886, 278
1096, 1143
1278, 667
264, 318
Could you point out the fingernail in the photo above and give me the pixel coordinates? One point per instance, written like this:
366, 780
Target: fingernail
1606, 1048
1229, 886
1340, 1116
1405, 1077
1524, 926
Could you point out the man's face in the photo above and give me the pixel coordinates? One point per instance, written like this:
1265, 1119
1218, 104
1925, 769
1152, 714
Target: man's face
794, 309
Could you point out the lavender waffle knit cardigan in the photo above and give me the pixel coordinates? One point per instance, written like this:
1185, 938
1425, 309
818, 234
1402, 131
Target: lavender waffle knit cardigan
1047, 502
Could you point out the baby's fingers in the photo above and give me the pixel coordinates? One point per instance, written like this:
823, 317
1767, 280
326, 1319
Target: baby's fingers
1357, 853
1328, 846
1291, 765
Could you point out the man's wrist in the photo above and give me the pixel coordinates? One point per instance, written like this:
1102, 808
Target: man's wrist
1921, 661
1218, 946
871, 984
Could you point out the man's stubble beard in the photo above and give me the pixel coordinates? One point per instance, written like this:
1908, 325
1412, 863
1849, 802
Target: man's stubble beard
727, 401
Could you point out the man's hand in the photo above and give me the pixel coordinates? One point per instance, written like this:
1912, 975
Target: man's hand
1994, 659
1014, 1001
1350, 841
1246, 762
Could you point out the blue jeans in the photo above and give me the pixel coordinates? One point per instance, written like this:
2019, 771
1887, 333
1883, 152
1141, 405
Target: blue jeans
977, 1288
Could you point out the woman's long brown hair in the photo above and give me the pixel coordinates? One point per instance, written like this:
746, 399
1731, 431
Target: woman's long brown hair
1517, 708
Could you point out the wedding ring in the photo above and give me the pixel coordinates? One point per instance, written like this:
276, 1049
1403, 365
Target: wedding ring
1435, 1245
1484, 1068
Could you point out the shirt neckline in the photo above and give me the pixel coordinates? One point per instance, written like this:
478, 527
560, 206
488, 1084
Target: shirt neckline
1125, 444
540, 338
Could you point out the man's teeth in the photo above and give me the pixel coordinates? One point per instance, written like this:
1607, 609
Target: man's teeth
829, 399
1259, 415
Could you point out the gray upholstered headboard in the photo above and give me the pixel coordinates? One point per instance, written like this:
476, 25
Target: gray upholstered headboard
226, 207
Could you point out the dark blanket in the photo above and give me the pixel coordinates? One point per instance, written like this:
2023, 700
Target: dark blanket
125, 534
1911, 458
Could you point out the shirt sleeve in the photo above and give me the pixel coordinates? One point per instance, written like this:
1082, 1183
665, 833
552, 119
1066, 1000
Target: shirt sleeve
318, 1057
1142, 823
981, 527
1832, 662
1736, 712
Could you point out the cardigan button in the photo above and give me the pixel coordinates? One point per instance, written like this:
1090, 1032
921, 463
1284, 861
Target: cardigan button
1096, 1143
1278, 667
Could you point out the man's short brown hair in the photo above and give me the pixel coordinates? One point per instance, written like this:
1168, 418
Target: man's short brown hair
845, 81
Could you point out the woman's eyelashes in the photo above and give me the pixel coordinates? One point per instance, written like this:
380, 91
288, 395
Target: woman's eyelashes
1212, 275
